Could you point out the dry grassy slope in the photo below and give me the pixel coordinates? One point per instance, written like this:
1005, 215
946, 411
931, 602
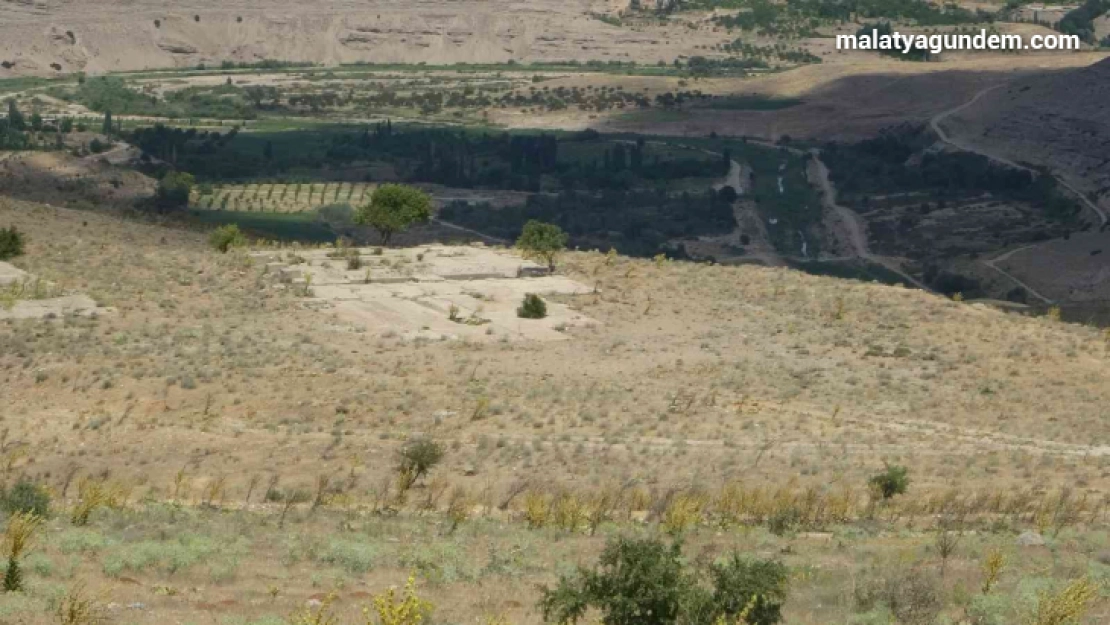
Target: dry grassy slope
99, 36
1058, 120
64, 179
694, 373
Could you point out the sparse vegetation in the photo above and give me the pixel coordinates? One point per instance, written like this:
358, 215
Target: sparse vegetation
227, 237
18, 540
26, 497
12, 243
277, 436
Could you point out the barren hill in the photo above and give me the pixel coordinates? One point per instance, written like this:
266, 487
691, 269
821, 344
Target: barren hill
50, 36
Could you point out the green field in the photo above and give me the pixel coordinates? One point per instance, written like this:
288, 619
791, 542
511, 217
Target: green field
277, 226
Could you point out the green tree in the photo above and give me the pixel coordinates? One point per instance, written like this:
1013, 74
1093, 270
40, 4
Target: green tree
543, 241
15, 118
638, 582
394, 208
66, 125
173, 190
107, 128
36, 122
11, 243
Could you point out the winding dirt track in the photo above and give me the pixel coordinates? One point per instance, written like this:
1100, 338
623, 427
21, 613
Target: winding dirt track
934, 123
853, 224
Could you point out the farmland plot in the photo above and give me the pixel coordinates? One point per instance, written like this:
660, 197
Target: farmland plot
280, 198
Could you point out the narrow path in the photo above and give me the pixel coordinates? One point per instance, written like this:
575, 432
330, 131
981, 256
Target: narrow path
991, 263
483, 235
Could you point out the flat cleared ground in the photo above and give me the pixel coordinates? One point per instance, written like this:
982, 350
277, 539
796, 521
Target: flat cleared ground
433, 293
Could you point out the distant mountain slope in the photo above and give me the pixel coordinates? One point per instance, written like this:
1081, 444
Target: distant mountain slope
1058, 120
49, 36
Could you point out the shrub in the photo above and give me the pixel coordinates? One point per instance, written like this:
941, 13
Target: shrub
533, 307
645, 582
11, 243
418, 457
912, 595
894, 480
18, 539
226, 237
173, 190
356, 558
26, 497
76, 607
411, 610
756, 588
1068, 605
639, 582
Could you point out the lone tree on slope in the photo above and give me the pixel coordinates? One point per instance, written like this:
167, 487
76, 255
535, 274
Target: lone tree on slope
393, 208
543, 241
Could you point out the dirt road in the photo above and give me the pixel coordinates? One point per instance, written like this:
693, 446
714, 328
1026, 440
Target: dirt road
732, 179
854, 225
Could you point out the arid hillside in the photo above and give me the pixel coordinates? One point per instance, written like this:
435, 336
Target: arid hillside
1057, 120
238, 434
708, 371
51, 36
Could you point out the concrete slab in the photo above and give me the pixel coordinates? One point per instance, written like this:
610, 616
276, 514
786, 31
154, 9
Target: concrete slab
52, 308
412, 292
10, 274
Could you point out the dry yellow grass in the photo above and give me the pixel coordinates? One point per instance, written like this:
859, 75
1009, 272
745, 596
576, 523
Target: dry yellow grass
742, 398
766, 374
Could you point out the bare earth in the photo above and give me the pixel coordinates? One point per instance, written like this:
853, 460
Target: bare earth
96, 37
